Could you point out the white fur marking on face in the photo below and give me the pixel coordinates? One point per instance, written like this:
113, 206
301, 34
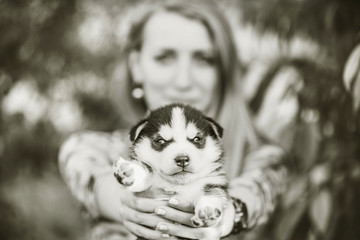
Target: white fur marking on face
166, 132
178, 123
191, 130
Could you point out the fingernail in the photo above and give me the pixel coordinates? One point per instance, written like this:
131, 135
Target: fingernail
165, 235
173, 201
162, 227
160, 211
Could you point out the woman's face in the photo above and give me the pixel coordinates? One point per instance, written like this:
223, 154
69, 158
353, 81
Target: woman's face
176, 63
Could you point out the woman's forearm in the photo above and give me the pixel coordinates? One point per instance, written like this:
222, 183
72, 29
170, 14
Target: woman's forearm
260, 185
108, 194
86, 157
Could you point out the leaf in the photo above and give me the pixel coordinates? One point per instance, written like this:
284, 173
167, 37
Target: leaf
351, 68
320, 210
289, 220
306, 144
280, 106
5, 83
356, 91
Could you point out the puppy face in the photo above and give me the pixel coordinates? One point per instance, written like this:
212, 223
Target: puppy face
179, 143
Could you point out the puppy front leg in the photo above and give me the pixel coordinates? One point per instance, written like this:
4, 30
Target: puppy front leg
210, 206
133, 175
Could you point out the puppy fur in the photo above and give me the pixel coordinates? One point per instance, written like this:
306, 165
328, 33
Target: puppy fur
178, 151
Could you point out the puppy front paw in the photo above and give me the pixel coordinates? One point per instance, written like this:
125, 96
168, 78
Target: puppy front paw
124, 172
207, 212
207, 216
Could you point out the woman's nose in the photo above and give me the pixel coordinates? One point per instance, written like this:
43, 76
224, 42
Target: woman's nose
182, 78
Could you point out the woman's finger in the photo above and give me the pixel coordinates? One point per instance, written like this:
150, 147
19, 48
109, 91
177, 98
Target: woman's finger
182, 205
188, 232
175, 215
145, 232
141, 218
143, 204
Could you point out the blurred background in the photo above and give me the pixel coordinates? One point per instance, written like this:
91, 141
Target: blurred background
58, 56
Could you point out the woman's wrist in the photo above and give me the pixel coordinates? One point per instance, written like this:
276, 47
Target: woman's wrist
107, 196
240, 217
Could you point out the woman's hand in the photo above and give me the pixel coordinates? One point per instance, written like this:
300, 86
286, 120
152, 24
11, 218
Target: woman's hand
138, 216
155, 219
181, 212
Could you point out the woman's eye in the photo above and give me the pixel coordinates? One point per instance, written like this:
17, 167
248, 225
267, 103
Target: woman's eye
204, 60
165, 58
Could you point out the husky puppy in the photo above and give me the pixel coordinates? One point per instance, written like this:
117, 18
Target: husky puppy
178, 150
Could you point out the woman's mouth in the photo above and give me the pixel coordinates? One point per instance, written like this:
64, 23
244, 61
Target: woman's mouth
184, 100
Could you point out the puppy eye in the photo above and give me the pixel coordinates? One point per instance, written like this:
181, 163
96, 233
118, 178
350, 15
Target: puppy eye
160, 141
196, 139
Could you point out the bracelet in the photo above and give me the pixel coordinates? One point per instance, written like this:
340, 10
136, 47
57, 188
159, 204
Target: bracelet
241, 216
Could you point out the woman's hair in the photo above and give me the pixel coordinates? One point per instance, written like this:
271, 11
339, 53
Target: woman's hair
232, 113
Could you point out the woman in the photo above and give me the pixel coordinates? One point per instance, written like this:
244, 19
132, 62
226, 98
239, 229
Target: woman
178, 51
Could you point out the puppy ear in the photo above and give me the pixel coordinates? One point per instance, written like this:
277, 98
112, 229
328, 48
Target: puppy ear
216, 128
136, 130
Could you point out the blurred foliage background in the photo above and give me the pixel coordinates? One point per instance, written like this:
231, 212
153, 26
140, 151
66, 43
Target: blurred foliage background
56, 60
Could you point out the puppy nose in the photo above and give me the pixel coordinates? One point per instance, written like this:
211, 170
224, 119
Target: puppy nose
182, 160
